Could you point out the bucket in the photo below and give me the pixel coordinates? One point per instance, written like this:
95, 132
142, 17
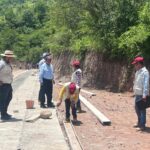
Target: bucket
29, 104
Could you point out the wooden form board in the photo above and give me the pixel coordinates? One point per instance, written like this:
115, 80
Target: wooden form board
74, 143
103, 119
87, 92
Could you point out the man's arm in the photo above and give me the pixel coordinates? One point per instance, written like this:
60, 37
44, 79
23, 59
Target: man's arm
53, 80
41, 74
1, 67
63, 90
145, 85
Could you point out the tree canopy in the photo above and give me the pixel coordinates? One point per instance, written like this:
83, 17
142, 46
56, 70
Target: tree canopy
117, 28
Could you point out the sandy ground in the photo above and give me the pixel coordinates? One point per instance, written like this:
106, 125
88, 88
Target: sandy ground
17, 72
120, 135
119, 108
16, 133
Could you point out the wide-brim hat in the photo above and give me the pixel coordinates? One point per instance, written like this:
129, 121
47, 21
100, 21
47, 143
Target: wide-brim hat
8, 53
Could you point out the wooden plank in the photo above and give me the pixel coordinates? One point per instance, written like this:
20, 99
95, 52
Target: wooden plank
74, 143
103, 119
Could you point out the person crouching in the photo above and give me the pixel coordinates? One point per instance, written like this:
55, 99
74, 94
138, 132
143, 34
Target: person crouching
69, 93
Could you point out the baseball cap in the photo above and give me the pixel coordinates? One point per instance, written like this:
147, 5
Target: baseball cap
137, 59
76, 63
72, 87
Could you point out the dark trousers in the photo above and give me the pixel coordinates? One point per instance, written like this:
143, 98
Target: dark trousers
46, 89
141, 114
78, 104
5, 97
41, 95
67, 106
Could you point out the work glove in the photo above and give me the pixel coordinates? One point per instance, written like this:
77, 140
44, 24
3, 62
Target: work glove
53, 81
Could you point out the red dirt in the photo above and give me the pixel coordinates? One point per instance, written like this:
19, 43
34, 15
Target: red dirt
120, 135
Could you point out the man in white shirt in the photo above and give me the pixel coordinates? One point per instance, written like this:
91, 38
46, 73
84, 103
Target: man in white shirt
6, 78
141, 90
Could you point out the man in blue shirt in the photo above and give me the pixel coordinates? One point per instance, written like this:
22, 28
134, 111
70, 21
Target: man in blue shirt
41, 62
46, 77
6, 79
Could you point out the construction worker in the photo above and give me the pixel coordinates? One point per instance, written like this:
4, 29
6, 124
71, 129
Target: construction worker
76, 78
69, 93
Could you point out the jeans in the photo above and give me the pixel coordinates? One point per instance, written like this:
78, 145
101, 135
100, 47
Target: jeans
67, 106
78, 106
141, 114
5, 97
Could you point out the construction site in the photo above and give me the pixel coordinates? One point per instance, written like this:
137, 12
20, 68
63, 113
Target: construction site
106, 121
74, 74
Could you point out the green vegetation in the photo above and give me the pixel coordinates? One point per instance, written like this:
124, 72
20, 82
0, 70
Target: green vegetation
116, 28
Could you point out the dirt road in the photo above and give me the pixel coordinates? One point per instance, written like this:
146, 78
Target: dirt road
120, 135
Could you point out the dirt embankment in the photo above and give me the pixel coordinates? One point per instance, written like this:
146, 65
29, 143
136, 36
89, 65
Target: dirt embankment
98, 71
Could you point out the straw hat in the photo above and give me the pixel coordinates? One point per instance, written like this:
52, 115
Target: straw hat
8, 53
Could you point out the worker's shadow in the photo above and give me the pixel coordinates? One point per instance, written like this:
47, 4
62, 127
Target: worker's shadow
77, 123
147, 130
82, 111
12, 120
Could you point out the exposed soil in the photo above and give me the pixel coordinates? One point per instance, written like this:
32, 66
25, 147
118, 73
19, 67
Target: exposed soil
119, 108
120, 135
17, 72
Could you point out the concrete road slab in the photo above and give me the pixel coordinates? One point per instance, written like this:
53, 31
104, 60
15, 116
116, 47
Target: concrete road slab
43, 134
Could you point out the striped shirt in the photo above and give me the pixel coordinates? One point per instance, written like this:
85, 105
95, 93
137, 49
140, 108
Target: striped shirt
141, 82
76, 77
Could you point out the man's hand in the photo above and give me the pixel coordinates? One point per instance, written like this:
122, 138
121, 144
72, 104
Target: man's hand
144, 98
58, 103
53, 81
79, 89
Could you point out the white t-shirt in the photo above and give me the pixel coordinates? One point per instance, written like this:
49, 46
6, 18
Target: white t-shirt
77, 77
